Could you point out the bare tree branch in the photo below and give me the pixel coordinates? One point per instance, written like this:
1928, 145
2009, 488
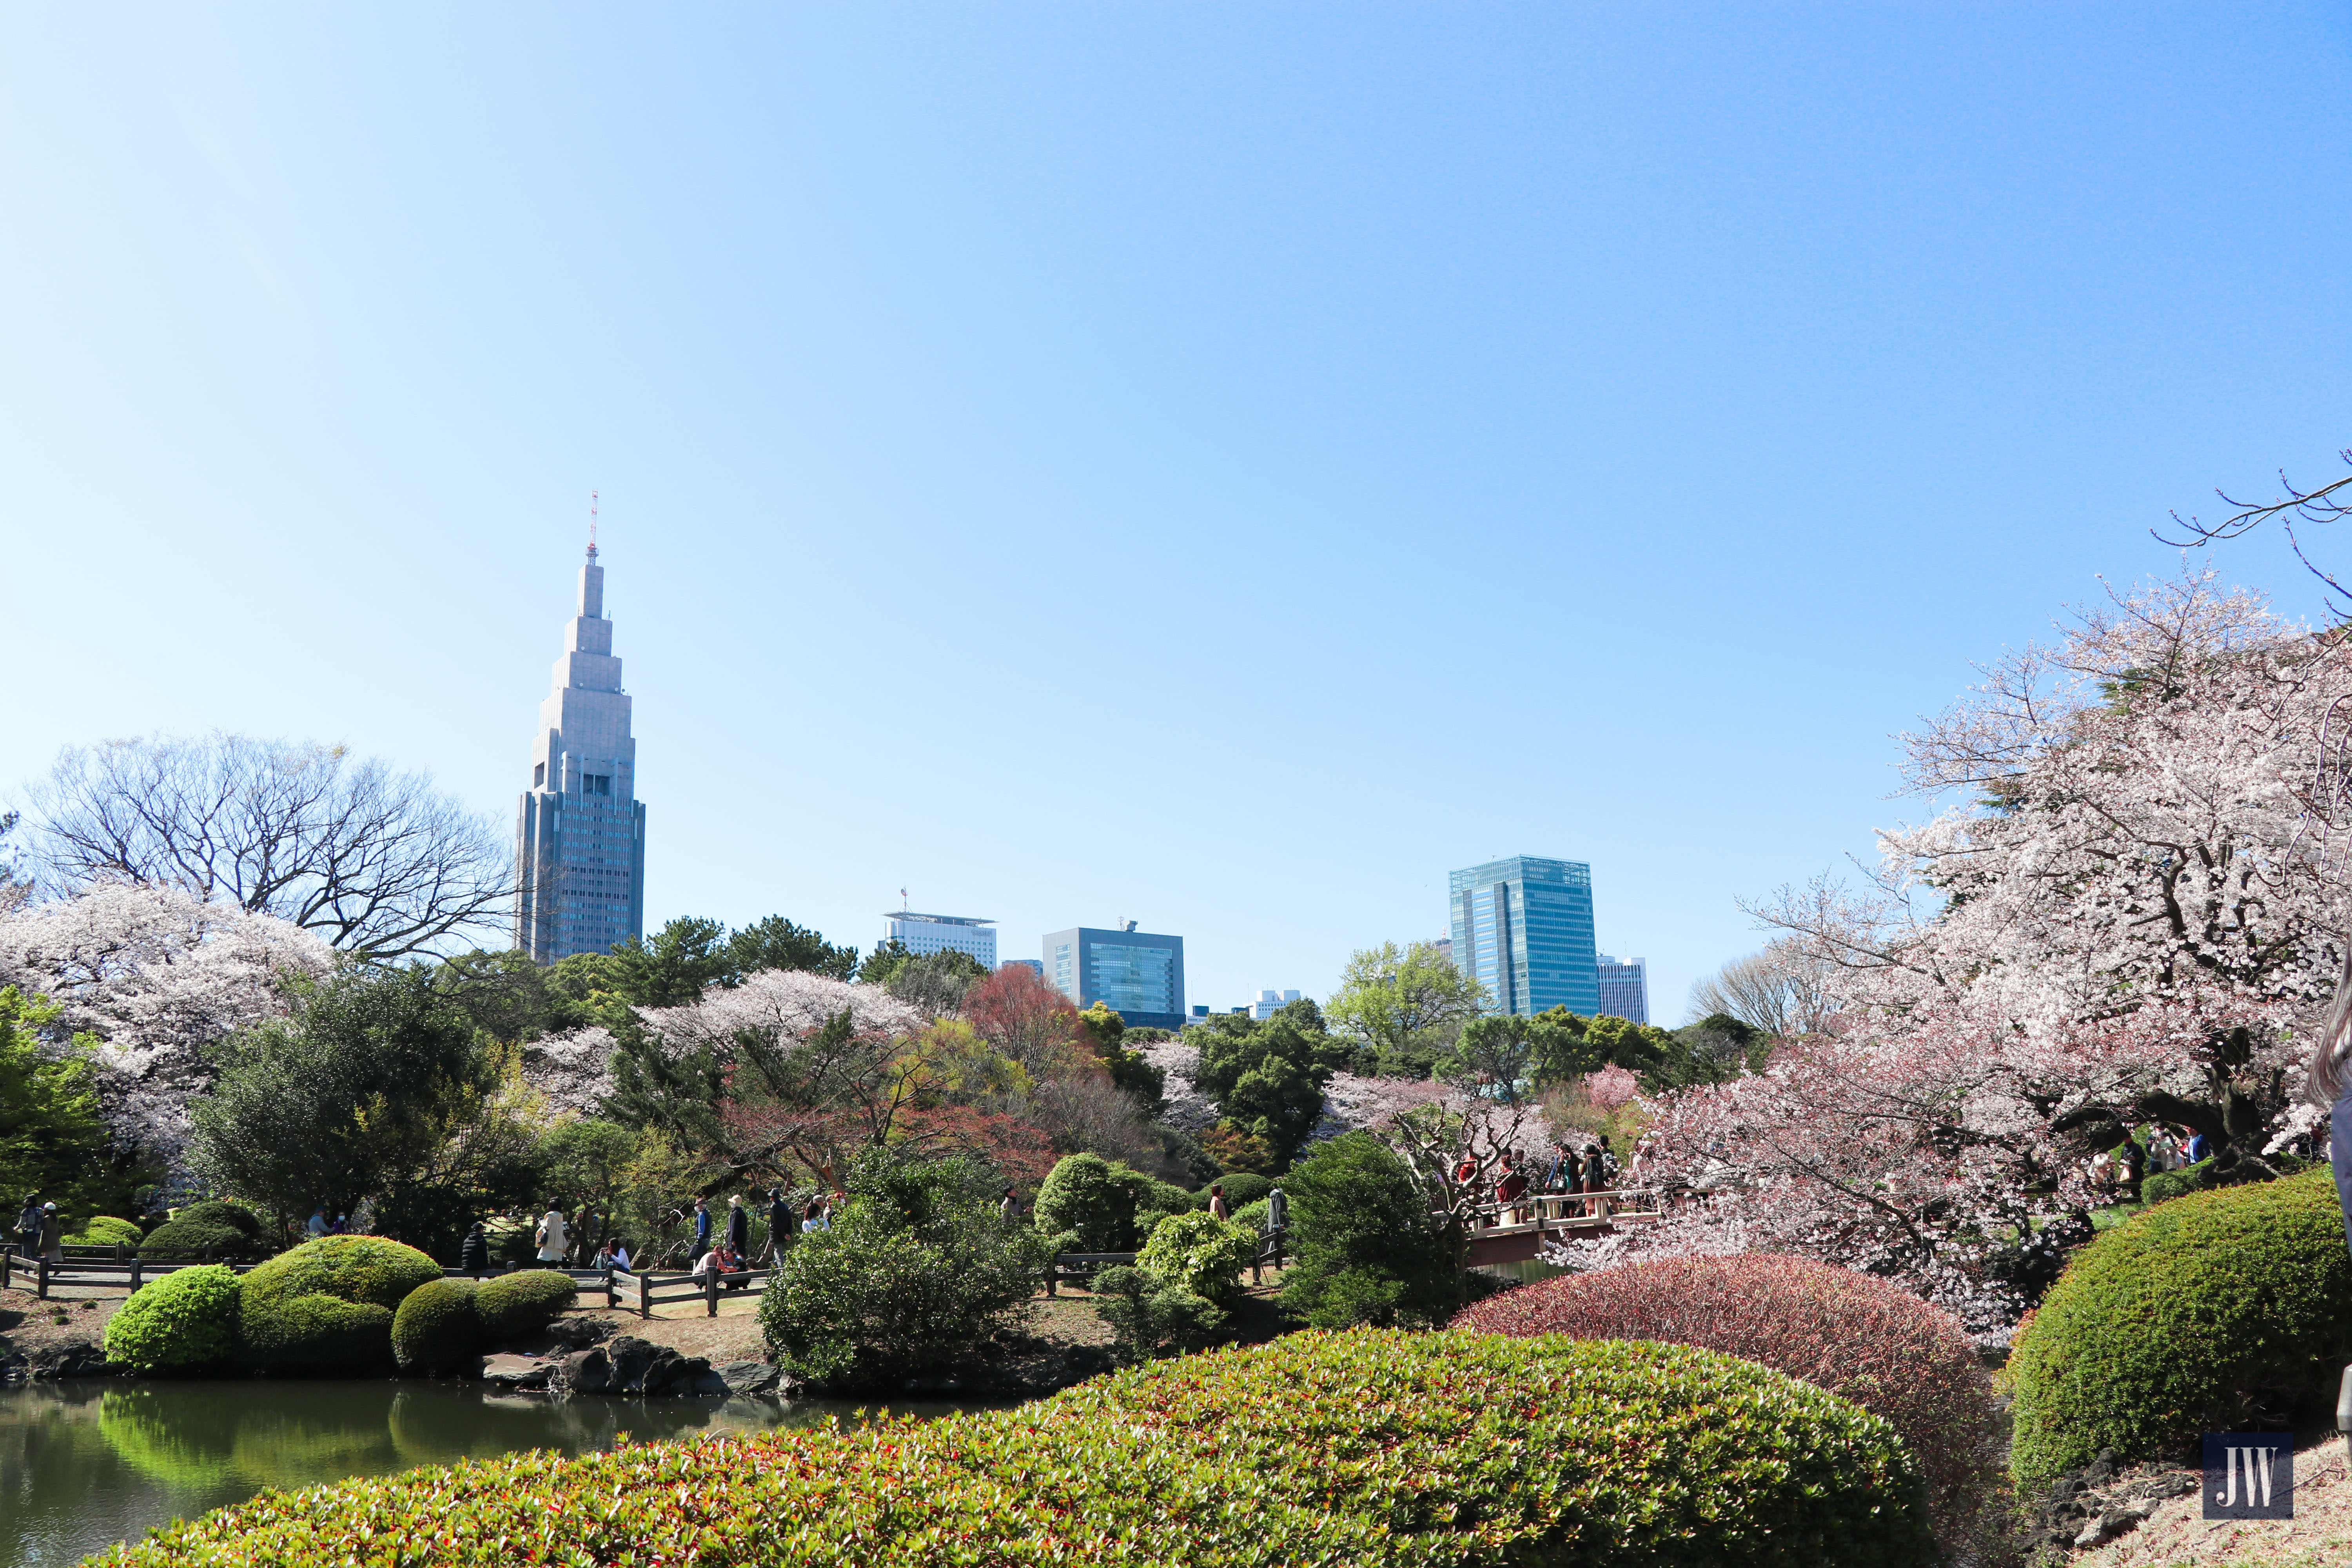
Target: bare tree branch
374, 861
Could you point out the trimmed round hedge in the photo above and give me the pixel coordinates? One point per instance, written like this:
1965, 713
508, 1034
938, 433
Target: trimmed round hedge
1242, 1188
524, 1302
326, 1306
1369, 1448
223, 1230
2207, 1313
187, 1319
437, 1327
1857, 1336
105, 1230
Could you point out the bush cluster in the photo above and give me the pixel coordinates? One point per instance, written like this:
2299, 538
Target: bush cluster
1088, 1204
2209, 1313
1149, 1316
184, 1320
329, 1303
918, 1272
1198, 1252
437, 1327
1373, 1448
226, 1231
1366, 1250
1880, 1346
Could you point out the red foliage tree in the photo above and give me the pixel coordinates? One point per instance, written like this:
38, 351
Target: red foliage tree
1017, 1013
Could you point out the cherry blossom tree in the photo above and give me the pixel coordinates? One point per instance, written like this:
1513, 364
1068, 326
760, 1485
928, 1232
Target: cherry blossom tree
2122, 913
155, 975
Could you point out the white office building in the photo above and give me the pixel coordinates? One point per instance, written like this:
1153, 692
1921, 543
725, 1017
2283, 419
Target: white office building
922, 934
1269, 1002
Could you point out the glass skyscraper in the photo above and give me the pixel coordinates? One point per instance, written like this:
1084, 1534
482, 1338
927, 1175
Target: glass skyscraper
1136, 974
1625, 988
1523, 927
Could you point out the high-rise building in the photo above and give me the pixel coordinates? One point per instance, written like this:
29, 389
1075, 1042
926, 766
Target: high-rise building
1625, 988
1523, 928
1137, 976
921, 934
1035, 965
1269, 1002
580, 832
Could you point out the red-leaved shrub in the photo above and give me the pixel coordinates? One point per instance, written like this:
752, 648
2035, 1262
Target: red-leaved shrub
1860, 1337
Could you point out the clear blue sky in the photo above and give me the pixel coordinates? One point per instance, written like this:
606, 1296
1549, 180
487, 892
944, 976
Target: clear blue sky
1223, 465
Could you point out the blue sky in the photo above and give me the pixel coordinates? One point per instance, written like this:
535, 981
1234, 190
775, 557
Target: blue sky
1220, 466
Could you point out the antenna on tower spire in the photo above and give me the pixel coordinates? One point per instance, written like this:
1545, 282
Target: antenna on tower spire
591, 525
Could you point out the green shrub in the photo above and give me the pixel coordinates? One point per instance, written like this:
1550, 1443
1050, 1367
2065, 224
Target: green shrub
328, 1304
1199, 1252
525, 1301
1369, 1448
1149, 1316
187, 1319
224, 1231
1093, 1204
1251, 1217
2209, 1313
1242, 1188
437, 1327
1367, 1252
915, 1273
2159, 1186
105, 1230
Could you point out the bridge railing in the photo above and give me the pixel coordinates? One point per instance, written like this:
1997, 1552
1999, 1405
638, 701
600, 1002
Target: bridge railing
1604, 1207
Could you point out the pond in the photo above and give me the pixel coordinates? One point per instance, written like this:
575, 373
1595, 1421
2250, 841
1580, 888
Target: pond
84, 1465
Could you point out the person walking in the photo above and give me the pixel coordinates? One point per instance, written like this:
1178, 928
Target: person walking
1217, 1202
28, 1227
474, 1252
555, 1244
1514, 1181
53, 1233
739, 1229
701, 1225
780, 1224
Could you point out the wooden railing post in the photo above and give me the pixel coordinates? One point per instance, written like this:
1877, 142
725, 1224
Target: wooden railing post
711, 1291
41, 1282
611, 1291
138, 1266
646, 1295
7, 1263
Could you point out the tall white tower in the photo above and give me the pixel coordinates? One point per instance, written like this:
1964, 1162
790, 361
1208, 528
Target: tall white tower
579, 834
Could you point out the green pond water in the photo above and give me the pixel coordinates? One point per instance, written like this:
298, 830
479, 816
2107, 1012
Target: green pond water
84, 1465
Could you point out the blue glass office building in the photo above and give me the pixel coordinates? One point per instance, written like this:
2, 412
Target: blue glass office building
1139, 975
1523, 927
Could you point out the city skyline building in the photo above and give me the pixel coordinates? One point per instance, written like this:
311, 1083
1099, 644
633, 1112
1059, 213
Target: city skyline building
579, 829
1139, 975
921, 934
1270, 1002
1625, 988
1522, 927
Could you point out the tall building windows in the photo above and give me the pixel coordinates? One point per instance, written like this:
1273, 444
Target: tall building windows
1523, 928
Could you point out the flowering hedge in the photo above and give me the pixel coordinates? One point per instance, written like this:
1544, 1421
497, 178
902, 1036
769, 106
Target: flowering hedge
1367, 1447
1854, 1335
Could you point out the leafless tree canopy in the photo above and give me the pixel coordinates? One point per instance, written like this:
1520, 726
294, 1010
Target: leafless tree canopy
1780, 990
374, 861
2328, 503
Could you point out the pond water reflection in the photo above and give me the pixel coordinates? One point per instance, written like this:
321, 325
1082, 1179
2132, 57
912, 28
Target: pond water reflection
84, 1465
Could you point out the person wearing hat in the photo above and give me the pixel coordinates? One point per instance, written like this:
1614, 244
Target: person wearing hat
738, 1227
53, 1233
